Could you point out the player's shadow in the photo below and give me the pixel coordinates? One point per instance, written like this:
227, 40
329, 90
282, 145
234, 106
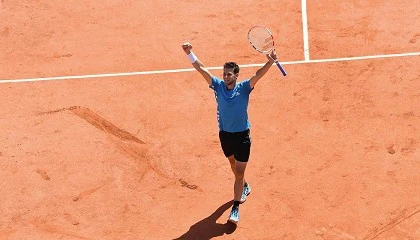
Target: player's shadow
208, 228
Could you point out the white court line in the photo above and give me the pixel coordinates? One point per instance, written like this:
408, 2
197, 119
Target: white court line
305, 31
210, 68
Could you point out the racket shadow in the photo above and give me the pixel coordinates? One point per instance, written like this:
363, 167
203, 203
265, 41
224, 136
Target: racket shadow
208, 228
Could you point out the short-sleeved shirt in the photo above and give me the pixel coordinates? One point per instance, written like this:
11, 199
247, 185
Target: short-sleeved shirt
232, 105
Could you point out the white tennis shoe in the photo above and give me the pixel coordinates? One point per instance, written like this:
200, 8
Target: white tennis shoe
234, 215
245, 192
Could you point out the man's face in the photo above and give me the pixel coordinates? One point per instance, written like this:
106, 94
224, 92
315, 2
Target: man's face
229, 77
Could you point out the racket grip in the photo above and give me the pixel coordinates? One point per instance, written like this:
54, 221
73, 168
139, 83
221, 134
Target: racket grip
281, 68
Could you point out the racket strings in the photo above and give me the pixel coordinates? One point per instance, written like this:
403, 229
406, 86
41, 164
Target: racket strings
261, 39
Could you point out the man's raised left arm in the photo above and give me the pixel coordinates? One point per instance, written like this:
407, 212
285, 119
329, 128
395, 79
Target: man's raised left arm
272, 57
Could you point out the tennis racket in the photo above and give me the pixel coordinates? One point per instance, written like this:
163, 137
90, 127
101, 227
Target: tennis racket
263, 41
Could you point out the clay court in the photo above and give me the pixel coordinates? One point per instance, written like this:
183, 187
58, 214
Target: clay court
107, 132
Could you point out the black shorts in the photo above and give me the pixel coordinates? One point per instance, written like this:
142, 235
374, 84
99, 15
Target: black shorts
237, 144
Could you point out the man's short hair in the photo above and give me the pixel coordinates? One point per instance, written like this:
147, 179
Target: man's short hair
232, 65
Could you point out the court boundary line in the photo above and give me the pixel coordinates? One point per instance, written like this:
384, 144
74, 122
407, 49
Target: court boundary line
106, 75
305, 31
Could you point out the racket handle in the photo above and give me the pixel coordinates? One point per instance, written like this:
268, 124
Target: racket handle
281, 68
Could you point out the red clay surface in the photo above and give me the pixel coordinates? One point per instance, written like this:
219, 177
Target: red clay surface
335, 150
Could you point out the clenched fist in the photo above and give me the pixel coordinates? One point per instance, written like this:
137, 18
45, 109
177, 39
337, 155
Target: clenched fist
187, 47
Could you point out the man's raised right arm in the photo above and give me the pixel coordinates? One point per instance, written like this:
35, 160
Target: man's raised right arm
198, 65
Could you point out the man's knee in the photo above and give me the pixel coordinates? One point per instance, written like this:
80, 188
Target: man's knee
239, 176
239, 173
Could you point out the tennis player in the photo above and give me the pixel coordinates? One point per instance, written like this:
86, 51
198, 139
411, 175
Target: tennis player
232, 99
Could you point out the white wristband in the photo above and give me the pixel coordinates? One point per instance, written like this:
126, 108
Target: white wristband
192, 57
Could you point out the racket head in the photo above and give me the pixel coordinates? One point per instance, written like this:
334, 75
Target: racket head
261, 39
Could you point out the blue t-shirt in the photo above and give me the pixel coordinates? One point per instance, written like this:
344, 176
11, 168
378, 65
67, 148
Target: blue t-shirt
232, 105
